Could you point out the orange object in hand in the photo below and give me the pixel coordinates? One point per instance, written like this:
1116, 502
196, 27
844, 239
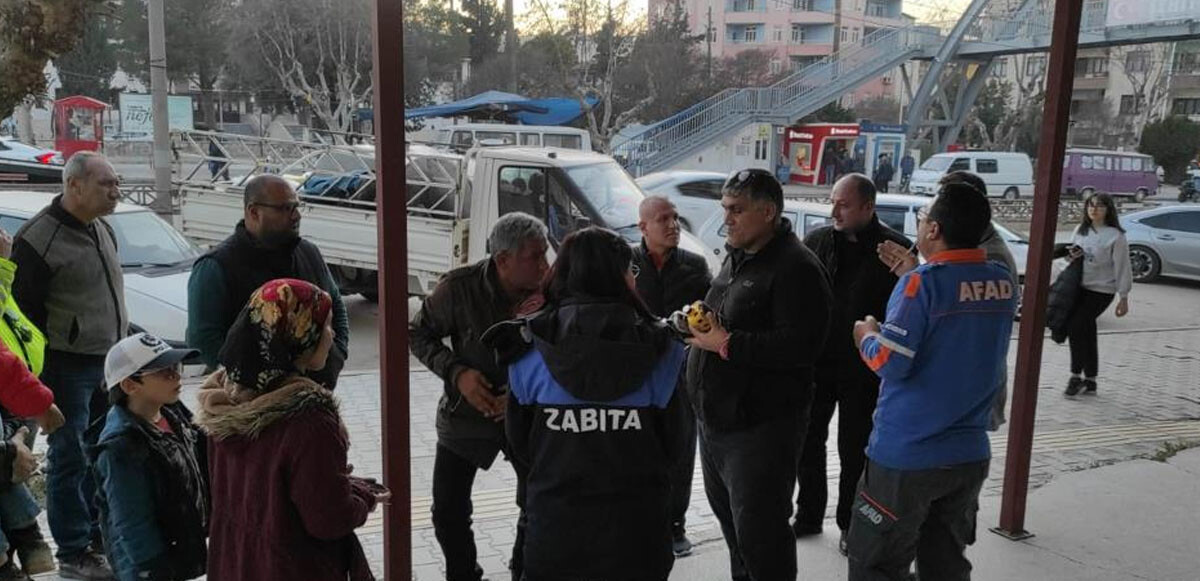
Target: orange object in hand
696, 316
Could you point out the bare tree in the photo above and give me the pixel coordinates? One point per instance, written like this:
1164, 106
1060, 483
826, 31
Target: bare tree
320, 50
1145, 66
603, 34
1029, 78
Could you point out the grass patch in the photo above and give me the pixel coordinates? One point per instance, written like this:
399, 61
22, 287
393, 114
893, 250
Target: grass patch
1170, 448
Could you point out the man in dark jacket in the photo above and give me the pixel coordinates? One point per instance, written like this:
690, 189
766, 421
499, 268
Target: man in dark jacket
465, 303
669, 278
750, 376
883, 173
69, 283
861, 286
266, 245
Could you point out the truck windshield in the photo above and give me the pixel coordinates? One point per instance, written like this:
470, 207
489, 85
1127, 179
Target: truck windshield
611, 194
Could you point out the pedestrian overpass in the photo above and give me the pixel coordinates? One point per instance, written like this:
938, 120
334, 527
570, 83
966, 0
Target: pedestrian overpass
988, 29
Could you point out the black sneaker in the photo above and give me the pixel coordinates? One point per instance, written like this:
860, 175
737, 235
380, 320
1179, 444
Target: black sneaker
680, 544
804, 529
87, 566
1089, 387
11, 572
1074, 385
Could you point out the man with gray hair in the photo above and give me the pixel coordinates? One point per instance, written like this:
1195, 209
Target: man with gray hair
466, 302
69, 284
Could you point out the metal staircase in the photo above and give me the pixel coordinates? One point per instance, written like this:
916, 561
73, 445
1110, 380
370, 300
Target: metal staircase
789, 99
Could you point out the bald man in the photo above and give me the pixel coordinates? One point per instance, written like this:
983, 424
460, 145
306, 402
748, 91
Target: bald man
669, 277
264, 246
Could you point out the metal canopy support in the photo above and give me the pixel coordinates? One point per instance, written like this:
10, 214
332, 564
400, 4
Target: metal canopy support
919, 109
392, 218
1056, 113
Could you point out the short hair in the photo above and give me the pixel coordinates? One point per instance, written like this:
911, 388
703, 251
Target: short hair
512, 231
963, 176
863, 186
256, 189
77, 166
758, 185
652, 199
963, 213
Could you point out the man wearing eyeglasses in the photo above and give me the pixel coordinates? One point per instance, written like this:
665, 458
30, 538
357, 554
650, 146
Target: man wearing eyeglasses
669, 277
750, 375
928, 453
266, 245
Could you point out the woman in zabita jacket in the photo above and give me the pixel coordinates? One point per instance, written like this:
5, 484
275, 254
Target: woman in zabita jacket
592, 417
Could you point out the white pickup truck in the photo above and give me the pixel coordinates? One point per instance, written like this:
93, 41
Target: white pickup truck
453, 200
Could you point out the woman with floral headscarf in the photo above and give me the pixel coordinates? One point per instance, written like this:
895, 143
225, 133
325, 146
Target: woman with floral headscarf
284, 505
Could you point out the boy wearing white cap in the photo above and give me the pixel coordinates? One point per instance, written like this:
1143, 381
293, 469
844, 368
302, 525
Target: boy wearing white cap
150, 467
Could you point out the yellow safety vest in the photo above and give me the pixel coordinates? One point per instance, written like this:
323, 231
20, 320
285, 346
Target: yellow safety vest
20, 335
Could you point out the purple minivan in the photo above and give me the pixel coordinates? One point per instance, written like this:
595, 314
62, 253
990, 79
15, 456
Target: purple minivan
1119, 173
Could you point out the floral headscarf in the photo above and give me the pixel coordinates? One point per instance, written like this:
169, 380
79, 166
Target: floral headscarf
282, 321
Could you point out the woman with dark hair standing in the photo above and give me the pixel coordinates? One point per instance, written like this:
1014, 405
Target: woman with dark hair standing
592, 417
1100, 243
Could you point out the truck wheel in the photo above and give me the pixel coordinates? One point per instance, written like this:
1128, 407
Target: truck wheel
1085, 193
1140, 195
1012, 194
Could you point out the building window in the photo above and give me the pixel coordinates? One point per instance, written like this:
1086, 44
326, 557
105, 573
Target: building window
1035, 65
776, 66
1185, 107
777, 34
1137, 61
800, 62
745, 5
850, 35
1091, 67
751, 34
876, 9
1130, 105
1000, 68
1187, 63
797, 34
802, 5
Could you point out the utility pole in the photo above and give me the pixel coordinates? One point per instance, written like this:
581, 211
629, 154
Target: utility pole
510, 46
158, 96
708, 40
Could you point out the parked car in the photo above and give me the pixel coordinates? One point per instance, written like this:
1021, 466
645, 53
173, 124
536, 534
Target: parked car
1008, 174
155, 258
25, 163
1164, 241
1119, 173
805, 217
696, 194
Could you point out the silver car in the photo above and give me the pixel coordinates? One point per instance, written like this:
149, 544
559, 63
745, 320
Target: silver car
1164, 241
696, 194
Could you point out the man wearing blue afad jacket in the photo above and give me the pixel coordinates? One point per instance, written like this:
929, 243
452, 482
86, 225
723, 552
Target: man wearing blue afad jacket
939, 354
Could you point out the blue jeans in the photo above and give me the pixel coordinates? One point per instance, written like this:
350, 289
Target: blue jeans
70, 489
18, 510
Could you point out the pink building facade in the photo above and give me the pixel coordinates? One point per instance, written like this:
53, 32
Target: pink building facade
797, 32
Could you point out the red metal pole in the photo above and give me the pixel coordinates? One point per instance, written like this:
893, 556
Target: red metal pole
1059, 77
393, 284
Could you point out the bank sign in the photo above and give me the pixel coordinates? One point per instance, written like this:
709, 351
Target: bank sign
137, 113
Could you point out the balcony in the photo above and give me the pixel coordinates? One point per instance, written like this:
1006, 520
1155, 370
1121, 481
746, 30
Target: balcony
745, 6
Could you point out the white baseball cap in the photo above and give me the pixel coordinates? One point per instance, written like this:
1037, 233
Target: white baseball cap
141, 352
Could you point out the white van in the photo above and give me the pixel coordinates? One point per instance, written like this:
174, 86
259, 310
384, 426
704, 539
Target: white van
466, 135
1007, 174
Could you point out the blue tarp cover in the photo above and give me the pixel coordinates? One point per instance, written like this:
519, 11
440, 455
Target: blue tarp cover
507, 106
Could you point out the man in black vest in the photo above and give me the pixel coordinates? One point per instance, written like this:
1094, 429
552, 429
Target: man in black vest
861, 284
668, 278
265, 246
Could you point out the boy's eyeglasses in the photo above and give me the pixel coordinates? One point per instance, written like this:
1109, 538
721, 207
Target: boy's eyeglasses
172, 372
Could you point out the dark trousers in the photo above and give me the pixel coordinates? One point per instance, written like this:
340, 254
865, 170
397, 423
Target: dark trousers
1081, 331
926, 515
453, 478
749, 475
70, 487
854, 399
685, 463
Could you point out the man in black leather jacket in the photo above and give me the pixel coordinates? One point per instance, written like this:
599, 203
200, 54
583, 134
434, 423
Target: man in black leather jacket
861, 285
